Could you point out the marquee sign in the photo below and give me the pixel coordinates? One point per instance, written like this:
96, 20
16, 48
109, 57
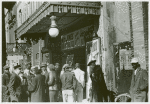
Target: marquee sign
74, 39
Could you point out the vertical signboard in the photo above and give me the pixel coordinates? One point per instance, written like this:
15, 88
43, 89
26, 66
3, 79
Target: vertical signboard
93, 53
125, 59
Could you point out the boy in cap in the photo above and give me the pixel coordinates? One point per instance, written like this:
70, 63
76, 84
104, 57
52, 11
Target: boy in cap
98, 91
68, 84
5, 81
14, 85
139, 83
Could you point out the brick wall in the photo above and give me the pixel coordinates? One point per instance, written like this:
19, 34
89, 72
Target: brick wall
138, 32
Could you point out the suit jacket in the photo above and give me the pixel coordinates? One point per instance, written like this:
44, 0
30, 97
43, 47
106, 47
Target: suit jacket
37, 88
139, 82
14, 87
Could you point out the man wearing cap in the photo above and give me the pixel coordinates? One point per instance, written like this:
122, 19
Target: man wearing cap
14, 85
68, 81
5, 81
98, 90
139, 83
46, 74
79, 74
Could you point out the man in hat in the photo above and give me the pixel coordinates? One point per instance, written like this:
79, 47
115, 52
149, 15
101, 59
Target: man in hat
79, 74
139, 83
37, 86
98, 91
46, 74
14, 85
5, 81
27, 77
68, 81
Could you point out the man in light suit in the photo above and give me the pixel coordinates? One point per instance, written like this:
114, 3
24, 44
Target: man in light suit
79, 74
139, 83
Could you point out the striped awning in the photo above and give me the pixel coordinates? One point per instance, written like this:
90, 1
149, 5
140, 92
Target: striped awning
92, 8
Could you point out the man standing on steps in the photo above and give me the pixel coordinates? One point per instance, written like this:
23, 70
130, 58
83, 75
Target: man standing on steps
139, 83
79, 74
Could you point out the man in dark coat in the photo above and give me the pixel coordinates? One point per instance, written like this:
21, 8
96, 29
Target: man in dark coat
98, 91
14, 85
5, 81
27, 77
139, 83
46, 74
37, 86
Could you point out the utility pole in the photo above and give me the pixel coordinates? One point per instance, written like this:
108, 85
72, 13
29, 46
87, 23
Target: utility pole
131, 29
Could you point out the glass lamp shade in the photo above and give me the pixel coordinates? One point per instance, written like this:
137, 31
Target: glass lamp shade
53, 32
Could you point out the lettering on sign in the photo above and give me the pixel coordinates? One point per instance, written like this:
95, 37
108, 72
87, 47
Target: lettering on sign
74, 39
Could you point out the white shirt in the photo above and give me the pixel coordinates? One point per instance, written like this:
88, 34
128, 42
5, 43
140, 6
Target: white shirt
79, 74
135, 72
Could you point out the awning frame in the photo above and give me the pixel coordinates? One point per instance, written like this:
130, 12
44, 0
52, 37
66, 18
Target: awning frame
58, 7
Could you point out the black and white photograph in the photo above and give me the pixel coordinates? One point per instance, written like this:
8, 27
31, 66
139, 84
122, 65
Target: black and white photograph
74, 51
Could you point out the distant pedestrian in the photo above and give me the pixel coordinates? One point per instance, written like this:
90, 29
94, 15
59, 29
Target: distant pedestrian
5, 81
37, 86
52, 83
14, 85
79, 74
139, 83
68, 81
98, 91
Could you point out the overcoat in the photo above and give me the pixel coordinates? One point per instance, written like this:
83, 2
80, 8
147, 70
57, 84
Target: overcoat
139, 86
98, 91
37, 88
14, 87
5, 92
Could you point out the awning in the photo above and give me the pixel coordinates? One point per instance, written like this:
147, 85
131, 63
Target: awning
86, 8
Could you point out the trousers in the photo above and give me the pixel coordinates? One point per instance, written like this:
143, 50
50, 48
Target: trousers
68, 96
79, 94
53, 95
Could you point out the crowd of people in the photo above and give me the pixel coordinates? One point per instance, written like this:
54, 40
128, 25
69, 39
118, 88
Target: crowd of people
50, 83
47, 83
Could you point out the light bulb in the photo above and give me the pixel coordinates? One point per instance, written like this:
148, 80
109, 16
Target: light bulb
53, 32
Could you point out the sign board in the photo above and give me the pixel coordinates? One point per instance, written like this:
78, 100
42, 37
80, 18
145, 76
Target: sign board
74, 39
125, 59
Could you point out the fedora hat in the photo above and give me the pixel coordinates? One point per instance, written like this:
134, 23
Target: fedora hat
92, 61
6, 67
134, 60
